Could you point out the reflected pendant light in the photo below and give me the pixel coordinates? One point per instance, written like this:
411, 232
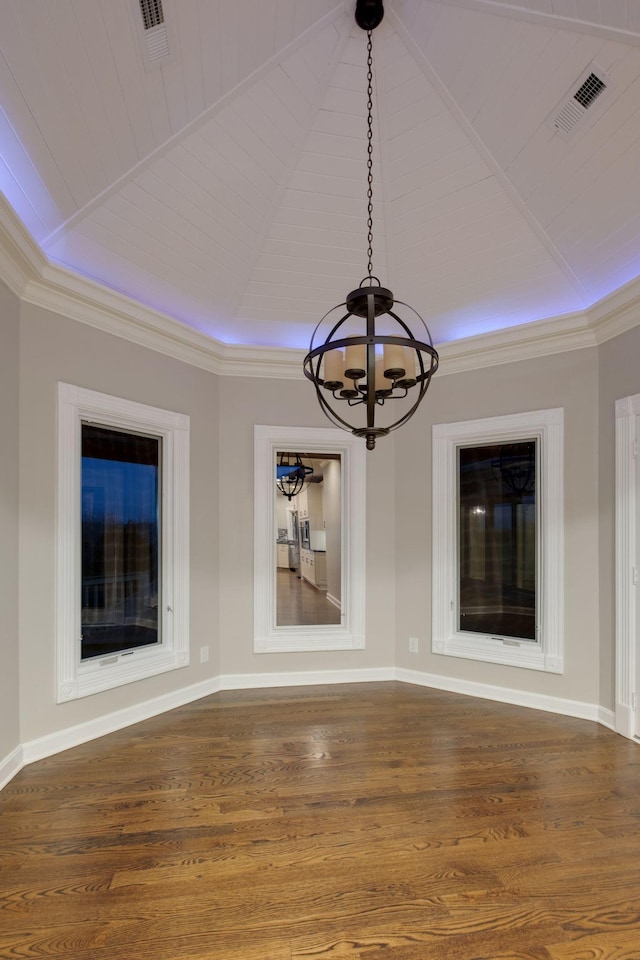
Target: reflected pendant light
291, 474
516, 467
369, 370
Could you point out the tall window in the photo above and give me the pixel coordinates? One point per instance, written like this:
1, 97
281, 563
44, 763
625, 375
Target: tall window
122, 544
498, 540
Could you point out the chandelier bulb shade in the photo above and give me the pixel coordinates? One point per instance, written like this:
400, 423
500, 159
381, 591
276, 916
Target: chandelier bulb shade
370, 370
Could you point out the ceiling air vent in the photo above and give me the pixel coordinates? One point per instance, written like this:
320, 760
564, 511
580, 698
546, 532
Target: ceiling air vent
153, 32
589, 90
152, 13
577, 110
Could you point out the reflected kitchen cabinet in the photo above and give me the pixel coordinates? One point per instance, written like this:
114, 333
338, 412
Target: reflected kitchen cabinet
313, 567
310, 506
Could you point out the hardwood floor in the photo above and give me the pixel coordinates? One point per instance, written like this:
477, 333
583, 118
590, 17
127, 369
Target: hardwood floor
377, 821
298, 602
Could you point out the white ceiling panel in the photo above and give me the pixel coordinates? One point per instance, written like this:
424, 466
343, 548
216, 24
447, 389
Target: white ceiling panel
226, 185
449, 219
23, 186
197, 214
327, 254
617, 14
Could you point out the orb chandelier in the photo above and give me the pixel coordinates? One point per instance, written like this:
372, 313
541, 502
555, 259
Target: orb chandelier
291, 474
516, 467
370, 377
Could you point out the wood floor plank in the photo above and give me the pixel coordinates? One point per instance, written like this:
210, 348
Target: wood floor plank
377, 821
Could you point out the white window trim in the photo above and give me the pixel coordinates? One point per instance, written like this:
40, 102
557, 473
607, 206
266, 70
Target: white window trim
547, 652
349, 635
626, 551
74, 678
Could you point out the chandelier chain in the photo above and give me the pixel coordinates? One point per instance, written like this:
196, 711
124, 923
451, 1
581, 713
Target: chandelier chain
370, 153
363, 360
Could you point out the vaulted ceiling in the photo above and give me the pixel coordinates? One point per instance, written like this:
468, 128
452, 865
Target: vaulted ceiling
213, 168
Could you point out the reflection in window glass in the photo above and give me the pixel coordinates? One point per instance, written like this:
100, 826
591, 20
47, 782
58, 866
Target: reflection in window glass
497, 542
120, 540
309, 544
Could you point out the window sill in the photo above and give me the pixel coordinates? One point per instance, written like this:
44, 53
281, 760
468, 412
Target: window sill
104, 673
513, 653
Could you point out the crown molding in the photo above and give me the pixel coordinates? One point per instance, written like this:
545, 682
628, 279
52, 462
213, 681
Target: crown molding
79, 298
540, 338
37, 281
21, 259
617, 313
272, 363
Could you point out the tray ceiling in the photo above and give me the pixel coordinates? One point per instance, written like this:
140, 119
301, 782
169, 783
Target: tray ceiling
225, 185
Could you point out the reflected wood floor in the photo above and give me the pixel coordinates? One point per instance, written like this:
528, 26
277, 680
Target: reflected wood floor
378, 821
299, 603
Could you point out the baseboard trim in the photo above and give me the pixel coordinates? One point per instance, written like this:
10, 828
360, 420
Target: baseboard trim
607, 718
93, 729
334, 601
625, 720
10, 765
520, 698
110, 722
252, 681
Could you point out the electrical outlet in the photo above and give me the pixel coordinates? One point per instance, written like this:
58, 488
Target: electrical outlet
204, 654
413, 644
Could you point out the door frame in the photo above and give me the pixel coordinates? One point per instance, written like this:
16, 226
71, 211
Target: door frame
626, 564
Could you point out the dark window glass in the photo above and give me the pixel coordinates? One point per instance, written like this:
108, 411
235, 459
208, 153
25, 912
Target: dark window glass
120, 540
497, 539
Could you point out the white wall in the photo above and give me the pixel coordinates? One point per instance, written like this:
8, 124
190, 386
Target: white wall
568, 380
9, 367
398, 553
54, 348
619, 376
245, 402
